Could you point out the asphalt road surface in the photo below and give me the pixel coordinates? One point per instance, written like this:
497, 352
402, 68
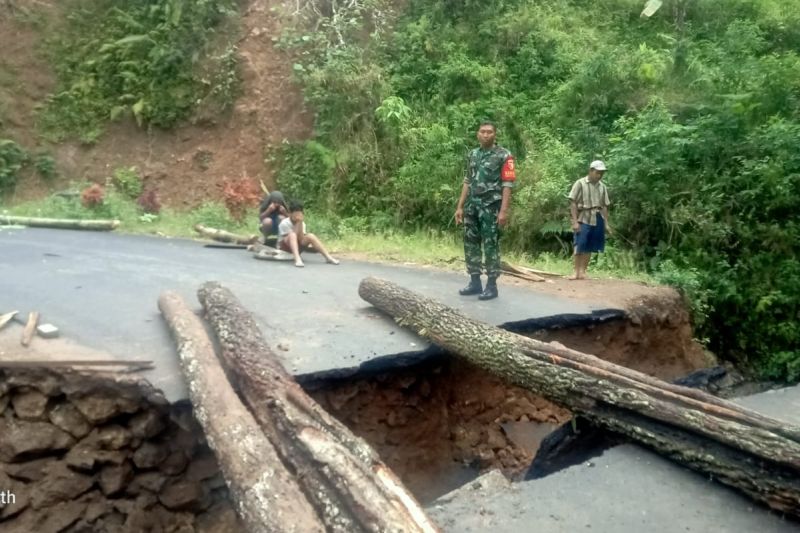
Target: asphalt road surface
101, 290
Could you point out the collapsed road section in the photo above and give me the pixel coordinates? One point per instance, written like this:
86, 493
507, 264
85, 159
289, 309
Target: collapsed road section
130, 458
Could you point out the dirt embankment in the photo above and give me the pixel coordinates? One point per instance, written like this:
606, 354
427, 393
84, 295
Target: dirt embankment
186, 165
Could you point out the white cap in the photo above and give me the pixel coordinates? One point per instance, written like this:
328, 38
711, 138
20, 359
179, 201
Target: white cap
598, 165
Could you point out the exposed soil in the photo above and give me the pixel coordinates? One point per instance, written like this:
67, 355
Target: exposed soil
187, 165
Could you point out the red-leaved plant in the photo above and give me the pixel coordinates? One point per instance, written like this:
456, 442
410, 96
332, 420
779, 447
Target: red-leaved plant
93, 196
239, 195
149, 202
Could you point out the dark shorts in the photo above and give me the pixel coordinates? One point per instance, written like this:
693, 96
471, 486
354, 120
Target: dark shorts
590, 239
275, 217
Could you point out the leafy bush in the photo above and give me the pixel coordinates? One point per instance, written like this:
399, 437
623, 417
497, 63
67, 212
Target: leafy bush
134, 58
12, 158
45, 165
127, 181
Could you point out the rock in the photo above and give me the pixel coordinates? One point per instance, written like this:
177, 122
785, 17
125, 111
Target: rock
173, 522
3, 403
216, 482
175, 463
97, 506
202, 467
30, 470
114, 478
112, 437
45, 382
149, 455
495, 439
147, 424
29, 404
183, 495
62, 484
220, 518
100, 406
67, 417
89, 451
47, 331
60, 517
22, 438
21, 497
112, 522
152, 481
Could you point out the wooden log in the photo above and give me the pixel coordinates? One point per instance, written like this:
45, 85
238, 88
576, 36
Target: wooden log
265, 494
6, 318
220, 235
512, 270
59, 223
349, 486
30, 328
681, 423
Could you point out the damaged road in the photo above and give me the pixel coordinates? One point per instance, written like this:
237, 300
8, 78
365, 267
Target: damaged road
100, 290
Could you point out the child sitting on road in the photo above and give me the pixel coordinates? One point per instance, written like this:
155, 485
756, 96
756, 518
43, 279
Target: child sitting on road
271, 212
292, 236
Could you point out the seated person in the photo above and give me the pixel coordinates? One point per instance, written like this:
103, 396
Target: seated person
271, 212
292, 236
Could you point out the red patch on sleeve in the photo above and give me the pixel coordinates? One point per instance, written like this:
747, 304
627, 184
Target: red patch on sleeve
507, 173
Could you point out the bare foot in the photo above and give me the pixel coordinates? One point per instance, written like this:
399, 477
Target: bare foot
332, 261
299, 264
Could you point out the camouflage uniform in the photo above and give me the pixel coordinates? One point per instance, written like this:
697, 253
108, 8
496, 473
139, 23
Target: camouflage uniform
488, 171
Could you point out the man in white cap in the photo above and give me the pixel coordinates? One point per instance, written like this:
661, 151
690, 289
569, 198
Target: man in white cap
589, 213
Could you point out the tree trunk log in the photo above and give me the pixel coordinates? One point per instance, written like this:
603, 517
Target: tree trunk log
30, 328
266, 495
59, 223
345, 480
220, 235
754, 453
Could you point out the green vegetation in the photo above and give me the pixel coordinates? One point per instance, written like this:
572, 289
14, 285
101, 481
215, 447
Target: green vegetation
14, 158
695, 109
147, 58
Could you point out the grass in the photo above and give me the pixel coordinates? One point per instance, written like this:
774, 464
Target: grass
342, 236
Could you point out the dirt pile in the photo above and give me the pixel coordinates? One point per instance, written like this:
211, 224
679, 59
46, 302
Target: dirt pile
84, 453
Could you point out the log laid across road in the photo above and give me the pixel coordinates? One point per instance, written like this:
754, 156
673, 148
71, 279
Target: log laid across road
59, 223
742, 448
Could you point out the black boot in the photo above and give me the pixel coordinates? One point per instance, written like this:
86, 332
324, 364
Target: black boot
490, 292
474, 286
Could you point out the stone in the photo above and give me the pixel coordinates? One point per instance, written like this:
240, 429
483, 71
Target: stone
29, 404
176, 522
184, 495
147, 424
202, 467
221, 518
152, 481
21, 495
67, 417
47, 383
61, 484
47, 331
101, 406
4, 399
30, 470
60, 517
149, 455
495, 439
113, 437
216, 482
175, 463
114, 479
85, 456
97, 506
21, 438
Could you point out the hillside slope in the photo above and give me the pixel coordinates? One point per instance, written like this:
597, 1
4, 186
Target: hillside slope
188, 164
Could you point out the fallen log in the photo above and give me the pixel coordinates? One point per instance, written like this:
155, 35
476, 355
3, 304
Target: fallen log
30, 328
344, 479
754, 453
6, 318
266, 495
59, 223
512, 270
221, 235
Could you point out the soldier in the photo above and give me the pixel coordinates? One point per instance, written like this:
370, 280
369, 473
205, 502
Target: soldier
483, 208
